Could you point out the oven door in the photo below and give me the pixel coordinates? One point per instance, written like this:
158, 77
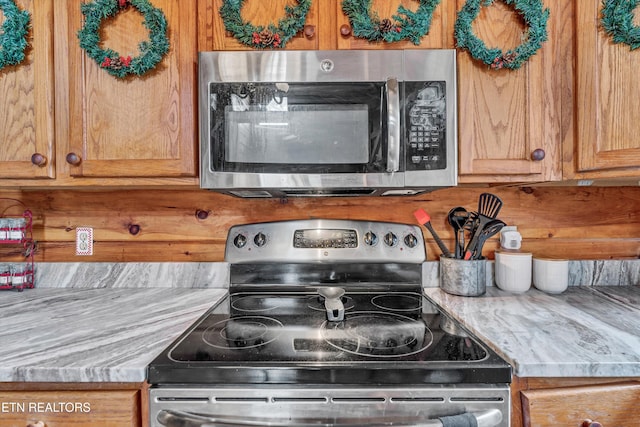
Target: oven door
434, 406
489, 418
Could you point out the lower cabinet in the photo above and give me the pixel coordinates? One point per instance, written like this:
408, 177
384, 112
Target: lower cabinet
579, 403
71, 408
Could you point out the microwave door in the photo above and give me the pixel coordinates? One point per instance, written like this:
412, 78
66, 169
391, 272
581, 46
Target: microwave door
305, 128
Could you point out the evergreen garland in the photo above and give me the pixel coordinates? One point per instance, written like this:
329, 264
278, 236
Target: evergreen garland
405, 25
151, 51
617, 21
13, 33
534, 16
258, 36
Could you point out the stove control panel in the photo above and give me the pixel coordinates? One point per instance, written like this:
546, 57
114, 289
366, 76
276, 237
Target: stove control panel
323, 240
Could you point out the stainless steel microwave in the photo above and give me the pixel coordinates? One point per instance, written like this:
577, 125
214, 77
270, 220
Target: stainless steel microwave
327, 123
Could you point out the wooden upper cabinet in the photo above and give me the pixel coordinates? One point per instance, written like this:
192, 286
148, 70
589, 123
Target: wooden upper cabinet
326, 26
440, 35
510, 122
27, 101
137, 127
213, 35
607, 101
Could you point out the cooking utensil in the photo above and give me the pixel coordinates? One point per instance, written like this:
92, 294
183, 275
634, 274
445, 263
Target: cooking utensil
488, 207
490, 229
457, 218
333, 303
423, 218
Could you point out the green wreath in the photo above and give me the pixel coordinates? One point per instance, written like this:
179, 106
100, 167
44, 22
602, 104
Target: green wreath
534, 16
13, 33
617, 21
258, 36
151, 51
405, 25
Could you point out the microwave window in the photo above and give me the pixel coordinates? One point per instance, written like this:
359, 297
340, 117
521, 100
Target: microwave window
310, 134
301, 127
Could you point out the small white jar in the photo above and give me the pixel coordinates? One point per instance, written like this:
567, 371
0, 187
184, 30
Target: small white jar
551, 275
513, 271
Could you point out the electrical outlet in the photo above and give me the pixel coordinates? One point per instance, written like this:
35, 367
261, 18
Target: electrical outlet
84, 241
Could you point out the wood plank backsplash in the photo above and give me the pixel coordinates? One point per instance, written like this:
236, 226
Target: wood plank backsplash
163, 225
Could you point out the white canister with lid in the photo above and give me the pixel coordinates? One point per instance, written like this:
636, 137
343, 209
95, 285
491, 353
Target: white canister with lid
513, 270
551, 275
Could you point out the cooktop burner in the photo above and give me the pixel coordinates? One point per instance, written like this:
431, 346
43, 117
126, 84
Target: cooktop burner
398, 302
376, 334
243, 332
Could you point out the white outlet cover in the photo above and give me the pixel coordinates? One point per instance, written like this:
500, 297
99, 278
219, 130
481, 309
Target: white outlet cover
84, 241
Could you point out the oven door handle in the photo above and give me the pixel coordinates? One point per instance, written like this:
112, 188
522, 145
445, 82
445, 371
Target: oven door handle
169, 418
393, 125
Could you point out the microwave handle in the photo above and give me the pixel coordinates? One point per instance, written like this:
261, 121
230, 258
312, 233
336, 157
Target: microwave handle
393, 125
169, 418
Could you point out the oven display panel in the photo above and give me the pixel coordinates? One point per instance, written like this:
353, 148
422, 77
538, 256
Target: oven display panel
325, 238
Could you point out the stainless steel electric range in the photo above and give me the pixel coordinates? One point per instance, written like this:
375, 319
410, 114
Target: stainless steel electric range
325, 324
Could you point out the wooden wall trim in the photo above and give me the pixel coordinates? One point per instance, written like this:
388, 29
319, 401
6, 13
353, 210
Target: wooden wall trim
572, 222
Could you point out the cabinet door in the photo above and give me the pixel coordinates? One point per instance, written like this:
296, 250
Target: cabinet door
27, 94
213, 35
607, 107
611, 405
133, 127
111, 408
440, 35
510, 127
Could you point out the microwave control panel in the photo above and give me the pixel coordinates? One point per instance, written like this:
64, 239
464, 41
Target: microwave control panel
426, 120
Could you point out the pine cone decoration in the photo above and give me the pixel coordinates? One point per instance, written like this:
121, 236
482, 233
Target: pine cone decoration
386, 25
116, 63
503, 60
266, 37
509, 57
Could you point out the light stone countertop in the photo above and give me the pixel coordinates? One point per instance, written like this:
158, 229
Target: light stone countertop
93, 335
101, 322
586, 331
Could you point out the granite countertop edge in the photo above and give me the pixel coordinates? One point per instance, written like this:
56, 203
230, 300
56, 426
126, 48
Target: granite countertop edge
73, 335
583, 332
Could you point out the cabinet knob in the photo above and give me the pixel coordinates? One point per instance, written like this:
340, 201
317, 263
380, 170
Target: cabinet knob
345, 30
38, 424
202, 214
39, 159
590, 423
134, 229
73, 159
537, 154
309, 31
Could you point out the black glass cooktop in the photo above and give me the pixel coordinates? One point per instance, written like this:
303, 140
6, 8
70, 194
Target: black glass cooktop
282, 338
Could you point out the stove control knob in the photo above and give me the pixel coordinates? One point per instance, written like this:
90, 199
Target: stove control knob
390, 239
370, 238
410, 240
260, 239
239, 241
